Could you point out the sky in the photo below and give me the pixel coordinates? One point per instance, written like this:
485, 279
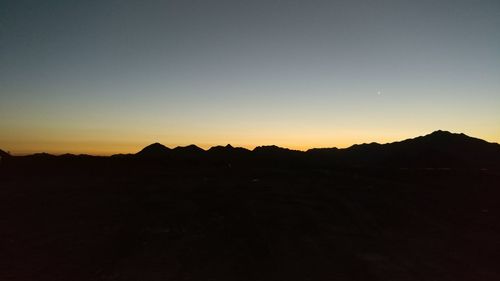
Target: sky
112, 76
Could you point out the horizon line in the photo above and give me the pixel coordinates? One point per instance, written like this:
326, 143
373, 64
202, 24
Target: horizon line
208, 147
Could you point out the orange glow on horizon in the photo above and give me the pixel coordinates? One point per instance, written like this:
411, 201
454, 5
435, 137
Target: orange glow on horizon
296, 142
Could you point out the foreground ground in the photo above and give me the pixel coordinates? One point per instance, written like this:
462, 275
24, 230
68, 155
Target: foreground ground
152, 221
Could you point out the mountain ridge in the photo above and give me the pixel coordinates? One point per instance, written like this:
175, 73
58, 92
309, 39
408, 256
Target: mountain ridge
154, 150
438, 149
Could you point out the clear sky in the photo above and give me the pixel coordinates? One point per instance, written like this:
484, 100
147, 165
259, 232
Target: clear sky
112, 76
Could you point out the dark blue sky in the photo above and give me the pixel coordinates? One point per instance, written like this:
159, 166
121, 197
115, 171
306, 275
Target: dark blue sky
108, 76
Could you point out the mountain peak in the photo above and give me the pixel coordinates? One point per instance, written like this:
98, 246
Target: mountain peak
446, 137
442, 133
157, 144
439, 131
221, 148
189, 148
154, 149
270, 148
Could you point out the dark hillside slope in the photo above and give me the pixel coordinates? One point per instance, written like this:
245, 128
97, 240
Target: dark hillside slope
439, 149
4, 154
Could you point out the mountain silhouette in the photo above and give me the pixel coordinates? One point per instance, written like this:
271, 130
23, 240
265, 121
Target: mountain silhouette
42, 155
439, 149
190, 149
154, 150
271, 149
4, 154
228, 150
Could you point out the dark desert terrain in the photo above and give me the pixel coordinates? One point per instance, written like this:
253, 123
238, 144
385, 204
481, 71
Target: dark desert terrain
421, 209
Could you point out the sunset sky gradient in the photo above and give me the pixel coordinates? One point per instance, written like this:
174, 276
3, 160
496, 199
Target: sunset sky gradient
112, 76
